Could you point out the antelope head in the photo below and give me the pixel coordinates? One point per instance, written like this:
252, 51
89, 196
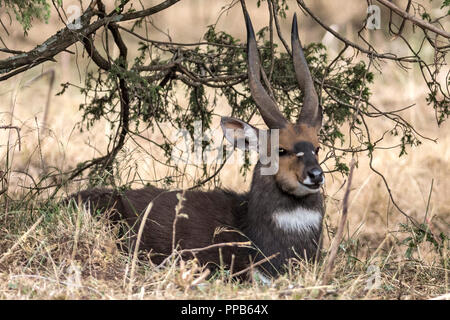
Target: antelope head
299, 172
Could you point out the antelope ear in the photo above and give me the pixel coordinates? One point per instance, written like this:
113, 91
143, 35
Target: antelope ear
240, 134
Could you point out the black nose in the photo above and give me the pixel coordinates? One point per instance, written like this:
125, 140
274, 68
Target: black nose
316, 175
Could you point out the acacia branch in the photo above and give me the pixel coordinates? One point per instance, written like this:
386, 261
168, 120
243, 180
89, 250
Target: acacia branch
67, 37
371, 52
418, 22
402, 26
277, 26
18, 133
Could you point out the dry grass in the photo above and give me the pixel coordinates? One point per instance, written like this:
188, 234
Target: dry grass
52, 252
71, 255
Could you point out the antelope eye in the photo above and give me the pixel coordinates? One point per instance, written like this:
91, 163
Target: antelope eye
317, 151
282, 152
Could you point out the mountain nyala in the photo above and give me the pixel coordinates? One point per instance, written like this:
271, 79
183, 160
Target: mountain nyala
280, 216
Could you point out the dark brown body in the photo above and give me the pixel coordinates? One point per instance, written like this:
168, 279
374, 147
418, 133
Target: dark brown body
241, 217
206, 211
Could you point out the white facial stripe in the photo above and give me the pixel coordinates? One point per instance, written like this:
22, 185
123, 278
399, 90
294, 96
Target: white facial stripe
307, 181
298, 220
300, 154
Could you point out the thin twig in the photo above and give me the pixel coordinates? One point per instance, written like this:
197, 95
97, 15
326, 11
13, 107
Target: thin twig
419, 22
277, 26
216, 245
255, 265
178, 213
136, 248
340, 231
18, 133
21, 239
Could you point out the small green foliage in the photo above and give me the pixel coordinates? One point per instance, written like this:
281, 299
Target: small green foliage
446, 3
26, 11
421, 234
426, 16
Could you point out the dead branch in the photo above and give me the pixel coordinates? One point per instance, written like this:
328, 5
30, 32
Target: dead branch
18, 133
255, 265
340, 231
67, 37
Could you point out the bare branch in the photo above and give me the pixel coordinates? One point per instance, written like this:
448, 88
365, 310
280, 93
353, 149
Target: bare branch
388, 56
67, 37
419, 22
18, 133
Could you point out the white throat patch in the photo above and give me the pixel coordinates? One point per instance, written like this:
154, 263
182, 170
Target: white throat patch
298, 220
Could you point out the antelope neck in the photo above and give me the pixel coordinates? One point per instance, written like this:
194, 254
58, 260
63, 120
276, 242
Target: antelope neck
266, 200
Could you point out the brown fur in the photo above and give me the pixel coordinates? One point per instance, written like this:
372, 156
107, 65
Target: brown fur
244, 216
290, 169
207, 212
293, 189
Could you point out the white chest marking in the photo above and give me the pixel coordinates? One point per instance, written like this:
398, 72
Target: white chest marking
298, 220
